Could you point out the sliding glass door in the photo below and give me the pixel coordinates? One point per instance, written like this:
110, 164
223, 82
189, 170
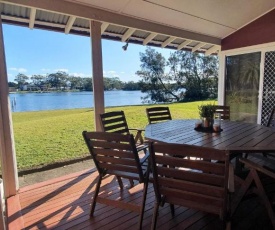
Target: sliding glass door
242, 80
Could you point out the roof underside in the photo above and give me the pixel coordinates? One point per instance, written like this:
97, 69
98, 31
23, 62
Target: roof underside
179, 24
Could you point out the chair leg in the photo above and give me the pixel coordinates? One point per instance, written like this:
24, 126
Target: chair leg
155, 215
172, 208
119, 182
263, 197
145, 188
95, 195
243, 189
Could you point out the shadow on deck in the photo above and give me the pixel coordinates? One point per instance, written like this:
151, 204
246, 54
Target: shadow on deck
64, 203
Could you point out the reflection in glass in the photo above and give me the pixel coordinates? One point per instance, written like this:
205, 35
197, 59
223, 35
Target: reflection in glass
242, 86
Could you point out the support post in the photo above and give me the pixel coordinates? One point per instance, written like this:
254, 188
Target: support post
98, 86
7, 148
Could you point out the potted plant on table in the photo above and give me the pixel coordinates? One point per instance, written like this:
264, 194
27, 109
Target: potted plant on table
206, 113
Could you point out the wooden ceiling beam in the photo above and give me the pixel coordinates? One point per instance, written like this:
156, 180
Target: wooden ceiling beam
182, 45
149, 38
127, 34
167, 41
32, 17
212, 50
198, 46
104, 26
69, 24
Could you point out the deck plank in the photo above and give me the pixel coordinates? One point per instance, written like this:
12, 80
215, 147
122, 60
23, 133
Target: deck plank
64, 203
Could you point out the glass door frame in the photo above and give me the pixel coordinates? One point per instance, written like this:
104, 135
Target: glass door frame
246, 50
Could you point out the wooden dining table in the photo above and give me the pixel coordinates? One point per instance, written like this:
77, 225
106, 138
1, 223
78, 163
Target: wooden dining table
235, 136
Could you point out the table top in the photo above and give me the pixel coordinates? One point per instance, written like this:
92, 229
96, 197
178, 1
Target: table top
236, 136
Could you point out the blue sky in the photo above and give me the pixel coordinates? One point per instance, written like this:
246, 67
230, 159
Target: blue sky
41, 52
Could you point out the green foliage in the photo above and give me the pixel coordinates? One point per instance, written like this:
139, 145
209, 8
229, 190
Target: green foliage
207, 110
45, 137
154, 80
192, 76
21, 80
62, 81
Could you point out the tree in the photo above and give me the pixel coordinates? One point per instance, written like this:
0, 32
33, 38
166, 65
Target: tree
111, 83
154, 80
87, 83
191, 76
58, 80
75, 82
38, 81
21, 79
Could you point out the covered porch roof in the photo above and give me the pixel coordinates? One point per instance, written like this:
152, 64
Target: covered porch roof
179, 24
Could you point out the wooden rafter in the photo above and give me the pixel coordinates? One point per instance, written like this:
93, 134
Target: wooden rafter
69, 24
127, 34
32, 17
149, 38
212, 50
197, 47
182, 45
167, 41
104, 26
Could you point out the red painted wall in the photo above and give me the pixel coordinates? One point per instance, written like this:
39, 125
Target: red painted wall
257, 32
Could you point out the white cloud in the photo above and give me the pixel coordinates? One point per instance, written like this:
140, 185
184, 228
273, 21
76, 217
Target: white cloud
80, 74
62, 70
45, 70
19, 70
111, 73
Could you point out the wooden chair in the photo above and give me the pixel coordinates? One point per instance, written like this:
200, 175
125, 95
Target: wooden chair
158, 114
197, 184
224, 111
257, 164
115, 122
116, 154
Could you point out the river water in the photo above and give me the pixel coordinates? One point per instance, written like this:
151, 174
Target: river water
70, 100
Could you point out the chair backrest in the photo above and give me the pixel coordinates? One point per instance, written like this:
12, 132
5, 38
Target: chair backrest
181, 179
271, 119
158, 114
224, 111
114, 122
114, 154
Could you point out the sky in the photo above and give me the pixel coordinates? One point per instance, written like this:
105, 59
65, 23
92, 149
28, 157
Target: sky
42, 52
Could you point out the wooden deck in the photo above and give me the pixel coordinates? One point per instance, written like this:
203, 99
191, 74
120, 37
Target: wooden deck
64, 203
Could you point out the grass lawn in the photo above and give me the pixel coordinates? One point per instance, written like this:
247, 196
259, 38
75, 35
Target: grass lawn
46, 137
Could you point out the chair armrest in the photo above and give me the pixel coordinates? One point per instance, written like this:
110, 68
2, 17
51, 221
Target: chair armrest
137, 129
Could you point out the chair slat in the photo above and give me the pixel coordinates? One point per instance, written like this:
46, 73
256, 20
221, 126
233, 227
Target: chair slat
224, 111
199, 152
116, 161
118, 153
198, 188
210, 179
204, 166
123, 168
195, 197
113, 145
158, 114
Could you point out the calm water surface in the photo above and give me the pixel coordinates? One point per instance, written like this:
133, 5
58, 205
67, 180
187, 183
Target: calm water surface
70, 100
